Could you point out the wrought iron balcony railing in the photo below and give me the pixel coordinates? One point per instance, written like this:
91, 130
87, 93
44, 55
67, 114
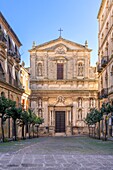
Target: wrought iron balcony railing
2, 76
103, 93
104, 61
99, 68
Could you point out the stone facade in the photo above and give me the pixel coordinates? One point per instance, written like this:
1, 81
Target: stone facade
14, 78
105, 53
25, 80
105, 60
10, 85
64, 86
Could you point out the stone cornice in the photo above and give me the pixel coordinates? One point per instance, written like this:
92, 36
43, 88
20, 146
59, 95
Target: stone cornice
9, 29
59, 40
63, 81
101, 8
9, 87
80, 91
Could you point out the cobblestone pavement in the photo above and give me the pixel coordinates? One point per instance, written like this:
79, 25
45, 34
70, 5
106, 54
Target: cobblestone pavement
57, 153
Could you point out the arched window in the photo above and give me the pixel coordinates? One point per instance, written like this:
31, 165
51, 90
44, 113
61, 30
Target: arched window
39, 69
2, 94
16, 79
9, 43
80, 102
80, 69
1, 72
92, 102
10, 74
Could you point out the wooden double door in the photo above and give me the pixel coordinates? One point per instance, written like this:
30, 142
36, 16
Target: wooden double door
59, 121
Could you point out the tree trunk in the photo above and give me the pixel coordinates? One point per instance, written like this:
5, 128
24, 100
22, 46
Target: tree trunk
8, 127
99, 130
29, 131
37, 131
105, 129
2, 128
89, 130
33, 130
94, 131
26, 130
15, 137
23, 131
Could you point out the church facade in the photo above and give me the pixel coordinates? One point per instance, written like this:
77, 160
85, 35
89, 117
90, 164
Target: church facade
64, 86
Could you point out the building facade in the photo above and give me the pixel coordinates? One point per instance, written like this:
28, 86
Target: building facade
64, 86
10, 69
105, 53
10, 85
25, 80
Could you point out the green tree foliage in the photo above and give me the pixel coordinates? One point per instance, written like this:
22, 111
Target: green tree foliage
23, 121
39, 120
93, 117
106, 108
4, 105
15, 114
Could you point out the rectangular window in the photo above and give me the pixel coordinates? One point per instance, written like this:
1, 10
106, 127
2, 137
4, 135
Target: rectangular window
59, 71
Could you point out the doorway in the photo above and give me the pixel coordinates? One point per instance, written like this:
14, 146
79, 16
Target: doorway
59, 121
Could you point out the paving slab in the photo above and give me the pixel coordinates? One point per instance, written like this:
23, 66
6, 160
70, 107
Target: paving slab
57, 153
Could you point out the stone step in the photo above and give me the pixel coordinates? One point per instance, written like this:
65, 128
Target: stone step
60, 134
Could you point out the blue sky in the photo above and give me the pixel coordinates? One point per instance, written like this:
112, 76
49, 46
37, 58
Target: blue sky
39, 20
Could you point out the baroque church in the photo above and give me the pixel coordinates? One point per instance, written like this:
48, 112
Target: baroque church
64, 86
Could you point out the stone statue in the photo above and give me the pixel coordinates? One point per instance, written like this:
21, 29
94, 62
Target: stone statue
80, 69
39, 103
39, 69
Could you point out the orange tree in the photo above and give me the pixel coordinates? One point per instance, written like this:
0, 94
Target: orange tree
93, 117
5, 104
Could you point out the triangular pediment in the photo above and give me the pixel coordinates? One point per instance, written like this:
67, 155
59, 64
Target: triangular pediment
60, 46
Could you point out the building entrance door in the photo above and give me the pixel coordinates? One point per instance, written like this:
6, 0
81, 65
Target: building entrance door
59, 121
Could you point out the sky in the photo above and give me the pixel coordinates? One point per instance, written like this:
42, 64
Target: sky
40, 20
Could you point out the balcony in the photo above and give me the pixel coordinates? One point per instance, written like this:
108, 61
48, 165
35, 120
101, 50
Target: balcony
2, 77
14, 82
10, 53
103, 93
99, 68
104, 61
3, 38
17, 57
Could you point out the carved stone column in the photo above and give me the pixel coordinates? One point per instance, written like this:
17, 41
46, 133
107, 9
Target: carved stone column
45, 105
46, 66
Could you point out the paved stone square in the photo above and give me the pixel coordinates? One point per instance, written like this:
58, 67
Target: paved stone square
54, 153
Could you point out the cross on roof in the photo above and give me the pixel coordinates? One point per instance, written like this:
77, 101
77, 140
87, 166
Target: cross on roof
60, 31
